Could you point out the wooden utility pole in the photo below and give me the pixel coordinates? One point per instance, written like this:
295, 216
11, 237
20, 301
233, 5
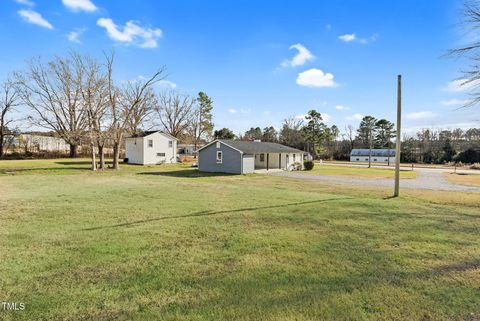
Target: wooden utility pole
398, 141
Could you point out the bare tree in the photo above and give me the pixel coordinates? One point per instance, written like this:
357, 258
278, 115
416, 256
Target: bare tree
53, 91
94, 99
291, 132
124, 103
143, 111
175, 112
350, 131
10, 99
471, 51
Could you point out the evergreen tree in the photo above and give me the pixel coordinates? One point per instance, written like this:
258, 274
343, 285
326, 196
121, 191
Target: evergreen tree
314, 132
224, 133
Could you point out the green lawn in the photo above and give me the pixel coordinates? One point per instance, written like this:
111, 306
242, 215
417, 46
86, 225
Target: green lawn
358, 172
169, 243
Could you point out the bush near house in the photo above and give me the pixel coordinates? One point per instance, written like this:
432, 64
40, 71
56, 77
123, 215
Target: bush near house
308, 165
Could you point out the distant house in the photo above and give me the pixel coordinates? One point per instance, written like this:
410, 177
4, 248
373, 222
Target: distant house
187, 149
378, 155
151, 147
242, 157
39, 143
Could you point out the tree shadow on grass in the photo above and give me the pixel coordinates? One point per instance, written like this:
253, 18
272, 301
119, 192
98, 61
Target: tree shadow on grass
208, 213
187, 173
13, 171
67, 163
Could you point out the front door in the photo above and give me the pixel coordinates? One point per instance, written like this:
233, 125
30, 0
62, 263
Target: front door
286, 165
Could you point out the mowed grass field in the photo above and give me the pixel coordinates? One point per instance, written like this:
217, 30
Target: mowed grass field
169, 243
357, 171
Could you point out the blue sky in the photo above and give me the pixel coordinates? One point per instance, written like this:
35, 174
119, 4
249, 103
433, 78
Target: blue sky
263, 61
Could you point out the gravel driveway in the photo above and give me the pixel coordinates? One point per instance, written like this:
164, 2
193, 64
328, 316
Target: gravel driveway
431, 179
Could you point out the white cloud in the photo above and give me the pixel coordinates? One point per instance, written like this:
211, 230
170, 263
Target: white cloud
353, 37
300, 58
302, 117
315, 78
80, 5
355, 117
460, 85
340, 107
74, 35
25, 2
241, 110
131, 33
35, 18
420, 115
167, 84
454, 102
348, 37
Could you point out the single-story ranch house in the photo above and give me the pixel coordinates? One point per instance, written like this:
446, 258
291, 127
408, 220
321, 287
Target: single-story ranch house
378, 155
151, 147
242, 157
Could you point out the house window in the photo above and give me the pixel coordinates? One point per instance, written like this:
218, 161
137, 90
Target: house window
366, 159
374, 159
358, 159
294, 158
219, 157
262, 157
150, 143
161, 154
218, 144
170, 143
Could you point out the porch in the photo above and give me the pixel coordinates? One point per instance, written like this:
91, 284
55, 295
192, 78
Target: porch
276, 161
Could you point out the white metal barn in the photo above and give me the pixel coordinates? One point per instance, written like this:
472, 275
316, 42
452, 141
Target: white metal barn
151, 147
378, 155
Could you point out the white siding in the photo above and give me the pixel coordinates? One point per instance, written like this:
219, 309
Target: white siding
159, 153
375, 159
134, 150
274, 162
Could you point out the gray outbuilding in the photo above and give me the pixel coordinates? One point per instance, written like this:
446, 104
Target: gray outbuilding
243, 157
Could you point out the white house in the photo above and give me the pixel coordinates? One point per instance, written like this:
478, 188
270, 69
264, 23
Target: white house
151, 147
39, 143
378, 155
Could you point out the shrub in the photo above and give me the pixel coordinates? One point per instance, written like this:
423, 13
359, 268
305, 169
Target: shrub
308, 165
296, 166
470, 156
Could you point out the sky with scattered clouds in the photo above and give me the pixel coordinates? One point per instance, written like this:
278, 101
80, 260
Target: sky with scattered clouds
262, 62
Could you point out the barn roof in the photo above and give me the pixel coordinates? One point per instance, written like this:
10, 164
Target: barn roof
256, 147
375, 152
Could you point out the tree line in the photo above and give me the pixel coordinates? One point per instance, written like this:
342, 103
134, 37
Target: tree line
312, 135
78, 98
